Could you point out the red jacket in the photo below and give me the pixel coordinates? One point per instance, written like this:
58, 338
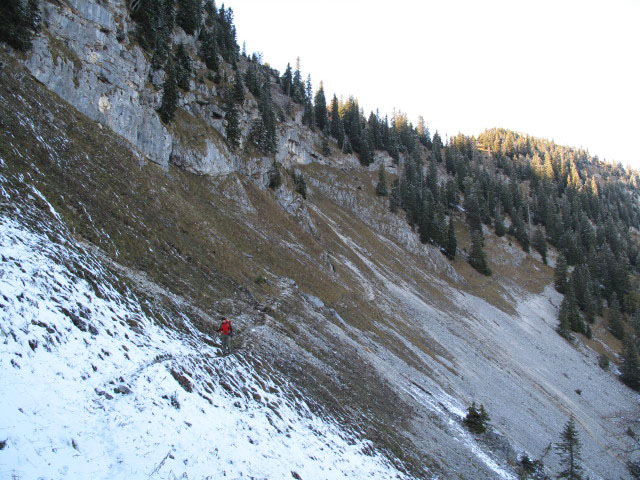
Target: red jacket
225, 327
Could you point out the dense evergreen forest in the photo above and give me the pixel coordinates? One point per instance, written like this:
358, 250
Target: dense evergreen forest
537, 192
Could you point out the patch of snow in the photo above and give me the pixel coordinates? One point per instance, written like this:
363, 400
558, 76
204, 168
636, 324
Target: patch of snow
94, 388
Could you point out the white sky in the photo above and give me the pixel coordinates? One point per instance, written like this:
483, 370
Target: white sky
564, 70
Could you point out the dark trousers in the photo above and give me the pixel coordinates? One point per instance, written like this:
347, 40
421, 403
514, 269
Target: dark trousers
226, 343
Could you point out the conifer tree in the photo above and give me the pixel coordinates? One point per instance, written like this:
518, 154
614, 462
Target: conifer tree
275, 178
335, 127
232, 127
189, 15
326, 151
477, 419
630, 365
394, 197
297, 87
287, 81
263, 130
320, 108
307, 115
422, 130
569, 450
238, 89
540, 244
498, 224
183, 68
569, 318
472, 208
381, 187
300, 185
424, 217
477, 258
169, 103
440, 226
18, 22
452, 244
436, 147
615, 320
519, 231
208, 51
560, 274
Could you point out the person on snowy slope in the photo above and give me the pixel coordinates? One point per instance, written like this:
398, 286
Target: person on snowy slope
226, 332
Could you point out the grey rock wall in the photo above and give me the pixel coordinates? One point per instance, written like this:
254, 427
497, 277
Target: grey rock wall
86, 57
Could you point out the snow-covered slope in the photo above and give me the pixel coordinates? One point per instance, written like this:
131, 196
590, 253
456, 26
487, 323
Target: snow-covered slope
94, 387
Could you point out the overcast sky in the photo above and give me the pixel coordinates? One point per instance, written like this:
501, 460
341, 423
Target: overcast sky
563, 70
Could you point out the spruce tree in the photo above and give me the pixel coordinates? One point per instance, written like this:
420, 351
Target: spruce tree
569, 318
498, 224
232, 127
189, 15
477, 419
477, 258
615, 320
300, 185
519, 230
440, 226
169, 103
452, 244
394, 197
424, 217
238, 89
263, 130
630, 365
286, 81
297, 86
381, 187
325, 149
18, 22
183, 68
307, 116
472, 208
335, 127
569, 450
540, 244
560, 274
208, 51
320, 108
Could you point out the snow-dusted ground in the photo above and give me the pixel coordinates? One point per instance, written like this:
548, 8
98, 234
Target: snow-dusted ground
88, 389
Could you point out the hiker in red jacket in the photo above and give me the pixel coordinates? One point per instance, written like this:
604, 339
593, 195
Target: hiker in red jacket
226, 332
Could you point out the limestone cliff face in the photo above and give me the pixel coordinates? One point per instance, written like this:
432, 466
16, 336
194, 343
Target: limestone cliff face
86, 55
